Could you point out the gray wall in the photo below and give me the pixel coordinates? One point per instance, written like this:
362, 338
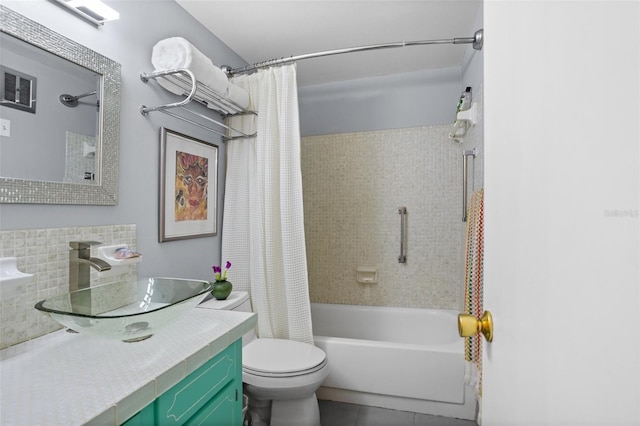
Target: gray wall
387, 102
129, 41
397, 101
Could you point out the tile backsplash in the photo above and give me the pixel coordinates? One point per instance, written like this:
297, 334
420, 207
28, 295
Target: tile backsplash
45, 254
353, 185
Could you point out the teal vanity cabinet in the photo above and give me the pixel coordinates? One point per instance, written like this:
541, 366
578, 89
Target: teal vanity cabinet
211, 395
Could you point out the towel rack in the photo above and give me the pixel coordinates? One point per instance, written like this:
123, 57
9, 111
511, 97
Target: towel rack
186, 80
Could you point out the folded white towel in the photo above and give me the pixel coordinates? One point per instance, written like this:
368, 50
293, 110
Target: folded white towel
235, 94
177, 52
238, 95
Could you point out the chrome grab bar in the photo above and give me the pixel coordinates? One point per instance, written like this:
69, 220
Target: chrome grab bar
403, 231
465, 154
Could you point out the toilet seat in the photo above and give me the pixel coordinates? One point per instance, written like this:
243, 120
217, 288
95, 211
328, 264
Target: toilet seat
281, 358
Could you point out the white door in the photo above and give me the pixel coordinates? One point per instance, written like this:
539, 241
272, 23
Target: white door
562, 226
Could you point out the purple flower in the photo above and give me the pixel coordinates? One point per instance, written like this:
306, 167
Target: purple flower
221, 276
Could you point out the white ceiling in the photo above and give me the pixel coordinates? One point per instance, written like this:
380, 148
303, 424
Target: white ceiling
261, 30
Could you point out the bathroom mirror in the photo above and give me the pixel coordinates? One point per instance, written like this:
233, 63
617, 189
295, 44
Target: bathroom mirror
61, 148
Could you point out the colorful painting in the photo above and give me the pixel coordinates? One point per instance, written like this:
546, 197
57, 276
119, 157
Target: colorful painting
191, 187
188, 187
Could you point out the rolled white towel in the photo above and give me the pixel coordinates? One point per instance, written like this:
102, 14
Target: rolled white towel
177, 52
171, 86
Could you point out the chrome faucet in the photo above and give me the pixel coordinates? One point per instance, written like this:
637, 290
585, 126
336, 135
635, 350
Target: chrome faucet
79, 262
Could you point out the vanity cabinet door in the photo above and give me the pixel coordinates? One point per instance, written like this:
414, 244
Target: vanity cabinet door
211, 395
224, 410
184, 400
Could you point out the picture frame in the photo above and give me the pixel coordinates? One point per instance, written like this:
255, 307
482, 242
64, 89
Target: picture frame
188, 187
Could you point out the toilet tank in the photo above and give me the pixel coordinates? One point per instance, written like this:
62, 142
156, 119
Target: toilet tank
236, 301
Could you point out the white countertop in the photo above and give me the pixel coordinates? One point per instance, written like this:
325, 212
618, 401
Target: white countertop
73, 379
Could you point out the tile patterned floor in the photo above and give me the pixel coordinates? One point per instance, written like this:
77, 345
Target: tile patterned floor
341, 414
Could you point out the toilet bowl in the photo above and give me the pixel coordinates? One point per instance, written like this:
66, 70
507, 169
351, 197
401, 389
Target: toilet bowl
280, 376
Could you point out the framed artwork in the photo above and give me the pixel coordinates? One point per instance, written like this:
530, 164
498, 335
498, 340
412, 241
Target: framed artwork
188, 187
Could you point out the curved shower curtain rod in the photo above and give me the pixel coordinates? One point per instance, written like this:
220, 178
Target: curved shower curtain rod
477, 42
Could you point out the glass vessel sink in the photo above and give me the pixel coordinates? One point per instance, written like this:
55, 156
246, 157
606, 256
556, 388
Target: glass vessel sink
128, 311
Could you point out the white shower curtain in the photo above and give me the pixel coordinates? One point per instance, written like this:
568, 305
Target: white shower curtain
263, 225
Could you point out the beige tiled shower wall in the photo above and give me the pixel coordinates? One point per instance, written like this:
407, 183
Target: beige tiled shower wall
45, 254
353, 185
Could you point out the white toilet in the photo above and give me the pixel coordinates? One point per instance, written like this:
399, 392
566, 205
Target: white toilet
280, 376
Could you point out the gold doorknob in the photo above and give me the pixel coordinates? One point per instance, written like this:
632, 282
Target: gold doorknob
468, 325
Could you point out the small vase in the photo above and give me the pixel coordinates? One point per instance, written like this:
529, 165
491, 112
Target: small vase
221, 289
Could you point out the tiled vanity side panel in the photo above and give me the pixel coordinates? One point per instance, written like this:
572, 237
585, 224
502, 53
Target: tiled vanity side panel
45, 254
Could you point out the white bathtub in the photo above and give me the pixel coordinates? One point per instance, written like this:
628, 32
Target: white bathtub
400, 358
